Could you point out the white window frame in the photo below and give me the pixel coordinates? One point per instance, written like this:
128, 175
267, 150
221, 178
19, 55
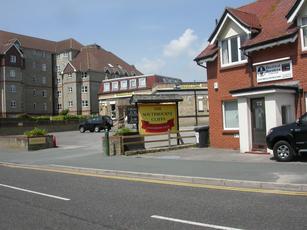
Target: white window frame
13, 59
13, 104
304, 47
106, 89
240, 61
44, 80
59, 93
12, 89
84, 89
142, 82
132, 81
12, 73
115, 86
70, 104
44, 67
200, 104
84, 103
83, 75
124, 84
70, 89
224, 120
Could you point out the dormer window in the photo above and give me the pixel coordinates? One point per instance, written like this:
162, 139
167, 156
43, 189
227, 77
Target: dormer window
230, 51
304, 33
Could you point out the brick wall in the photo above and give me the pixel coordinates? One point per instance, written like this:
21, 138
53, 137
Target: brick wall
241, 77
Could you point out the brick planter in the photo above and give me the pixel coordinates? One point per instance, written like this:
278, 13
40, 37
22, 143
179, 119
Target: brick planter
27, 143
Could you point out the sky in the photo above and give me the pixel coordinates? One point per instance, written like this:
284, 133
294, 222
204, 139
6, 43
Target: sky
158, 36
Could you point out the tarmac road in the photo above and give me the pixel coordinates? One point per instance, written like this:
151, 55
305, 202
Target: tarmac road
61, 201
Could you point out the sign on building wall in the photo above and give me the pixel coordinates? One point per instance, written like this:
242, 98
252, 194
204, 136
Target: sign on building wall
157, 118
274, 71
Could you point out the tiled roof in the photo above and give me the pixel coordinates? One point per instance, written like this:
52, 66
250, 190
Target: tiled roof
38, 43
95, 58
267, 16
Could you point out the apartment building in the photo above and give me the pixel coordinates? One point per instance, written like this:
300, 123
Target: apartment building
32, 75
256, 66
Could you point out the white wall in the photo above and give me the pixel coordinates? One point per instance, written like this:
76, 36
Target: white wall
230, 29
245, 124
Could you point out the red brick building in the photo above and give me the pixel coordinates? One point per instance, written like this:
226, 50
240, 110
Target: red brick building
256, 65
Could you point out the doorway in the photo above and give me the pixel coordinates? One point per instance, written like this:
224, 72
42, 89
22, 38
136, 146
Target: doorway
258, 123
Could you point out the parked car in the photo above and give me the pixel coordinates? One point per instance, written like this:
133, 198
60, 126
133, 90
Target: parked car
96, 124
288, 141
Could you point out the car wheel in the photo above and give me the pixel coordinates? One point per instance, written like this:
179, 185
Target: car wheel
82, 129
283, 151
97, 129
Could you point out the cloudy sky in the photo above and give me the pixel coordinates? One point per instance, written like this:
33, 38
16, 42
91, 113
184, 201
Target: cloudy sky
160, 36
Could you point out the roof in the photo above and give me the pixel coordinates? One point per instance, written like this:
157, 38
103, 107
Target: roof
95, 58
155, 98
38, 43
258, 17
262, 88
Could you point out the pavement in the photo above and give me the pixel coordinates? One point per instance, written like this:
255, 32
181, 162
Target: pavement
212, 166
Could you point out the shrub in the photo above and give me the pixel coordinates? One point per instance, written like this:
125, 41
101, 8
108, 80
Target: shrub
64, 112
41, 118
123, 131
25, 116
36, 132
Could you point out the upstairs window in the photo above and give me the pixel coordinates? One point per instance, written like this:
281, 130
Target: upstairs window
83, 75
114, 85
132, 83
106, 87
230, 51
44, 67
142, 82
304, 33
123, 85
13, 59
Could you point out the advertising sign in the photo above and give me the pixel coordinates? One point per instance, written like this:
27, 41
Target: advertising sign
274, 71
157, 118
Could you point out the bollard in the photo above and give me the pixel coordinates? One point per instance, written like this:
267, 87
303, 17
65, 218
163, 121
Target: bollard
106, 145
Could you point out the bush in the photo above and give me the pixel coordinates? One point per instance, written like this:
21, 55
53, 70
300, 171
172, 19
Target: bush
25, 116
123, 131
64, 112
36, 132
41, 118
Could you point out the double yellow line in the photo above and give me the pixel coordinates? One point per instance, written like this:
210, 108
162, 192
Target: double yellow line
157, 181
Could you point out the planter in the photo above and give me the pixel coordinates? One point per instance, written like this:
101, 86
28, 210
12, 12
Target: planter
27, 143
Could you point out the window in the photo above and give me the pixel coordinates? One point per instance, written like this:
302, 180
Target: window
65, 54
200, 102
59, 80
33, 79
12, 89
115, 86
84, 103
34, 106
13, 104
59, 93
58, 69
70, 89
113, 111
70, 103
286, 114
84, 89
44, 93
44, 80
230, 115
83, 75
69, 75
304, 33
34, 92
142, 82
13, 59
12, 73
44, 67
132, 83
106, 87
230, 51
124, 84
59, 106
45, 106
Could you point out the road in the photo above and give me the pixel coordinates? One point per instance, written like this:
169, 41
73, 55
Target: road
31, 199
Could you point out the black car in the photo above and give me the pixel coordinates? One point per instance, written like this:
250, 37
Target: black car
96, 124
288, 141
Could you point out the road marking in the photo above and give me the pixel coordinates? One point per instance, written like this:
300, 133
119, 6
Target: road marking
156, 181
34, 192
194, 223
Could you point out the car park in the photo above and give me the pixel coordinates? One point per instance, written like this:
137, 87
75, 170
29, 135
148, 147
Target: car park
96, 124
288, 141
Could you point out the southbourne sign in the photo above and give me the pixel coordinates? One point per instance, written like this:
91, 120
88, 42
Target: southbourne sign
157, 118
274, 71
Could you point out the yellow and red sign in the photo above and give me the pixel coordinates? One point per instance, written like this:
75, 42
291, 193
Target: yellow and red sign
157, 118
